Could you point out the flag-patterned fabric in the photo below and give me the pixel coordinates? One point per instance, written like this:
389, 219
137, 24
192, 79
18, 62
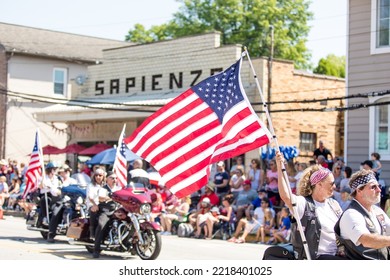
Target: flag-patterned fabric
210, 122
120, 163
34, 169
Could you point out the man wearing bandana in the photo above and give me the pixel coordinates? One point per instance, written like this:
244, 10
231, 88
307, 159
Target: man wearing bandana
364, 228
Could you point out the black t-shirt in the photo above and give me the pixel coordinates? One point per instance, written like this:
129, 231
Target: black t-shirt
218, 179
325, 153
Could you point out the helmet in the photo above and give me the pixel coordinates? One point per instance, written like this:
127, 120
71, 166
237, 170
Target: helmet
50, 165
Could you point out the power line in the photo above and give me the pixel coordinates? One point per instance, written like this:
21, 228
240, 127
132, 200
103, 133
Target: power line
141, 107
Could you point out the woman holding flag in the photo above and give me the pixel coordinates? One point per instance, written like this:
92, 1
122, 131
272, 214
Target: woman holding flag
315, 208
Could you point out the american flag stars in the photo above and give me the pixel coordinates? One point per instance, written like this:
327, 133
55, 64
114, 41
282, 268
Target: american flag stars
223, 93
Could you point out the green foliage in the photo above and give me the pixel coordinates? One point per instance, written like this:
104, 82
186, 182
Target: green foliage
332, 65
245, 22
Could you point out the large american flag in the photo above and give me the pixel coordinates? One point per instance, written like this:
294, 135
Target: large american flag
34, 169
209, 122
120, 163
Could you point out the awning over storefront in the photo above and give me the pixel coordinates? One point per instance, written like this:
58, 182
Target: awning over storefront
136, 106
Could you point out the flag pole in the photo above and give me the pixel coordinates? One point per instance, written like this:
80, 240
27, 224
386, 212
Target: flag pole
285, 176
43, 173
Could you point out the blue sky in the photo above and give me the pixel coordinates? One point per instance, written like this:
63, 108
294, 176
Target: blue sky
112, 19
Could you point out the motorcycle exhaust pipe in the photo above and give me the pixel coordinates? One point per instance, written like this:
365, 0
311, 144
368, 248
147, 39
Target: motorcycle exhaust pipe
85, 243
37, 229
78, 242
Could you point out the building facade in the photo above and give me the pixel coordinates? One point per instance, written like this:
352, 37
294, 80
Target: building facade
132, 82
37, 68
368, 69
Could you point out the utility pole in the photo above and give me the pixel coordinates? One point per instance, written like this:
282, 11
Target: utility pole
269, 88
270, 59
3, 99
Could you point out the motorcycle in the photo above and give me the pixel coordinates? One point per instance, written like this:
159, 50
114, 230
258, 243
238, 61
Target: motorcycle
71, 204
130, 229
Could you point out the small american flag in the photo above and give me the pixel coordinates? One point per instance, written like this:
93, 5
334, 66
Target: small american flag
120, 163
209, 122
34, 169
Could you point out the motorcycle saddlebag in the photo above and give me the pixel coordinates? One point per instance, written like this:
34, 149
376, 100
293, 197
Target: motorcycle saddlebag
279, 252
78, 228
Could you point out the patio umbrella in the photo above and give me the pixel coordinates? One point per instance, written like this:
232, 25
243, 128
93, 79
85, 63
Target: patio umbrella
82, 179
51, 150
73, 149
95, 149
108, 157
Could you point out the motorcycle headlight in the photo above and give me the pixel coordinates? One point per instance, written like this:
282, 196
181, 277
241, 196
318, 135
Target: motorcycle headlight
145, 209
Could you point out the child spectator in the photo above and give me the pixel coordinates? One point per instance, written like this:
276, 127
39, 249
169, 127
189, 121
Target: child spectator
281, 234
158, 207
376, 164
267, 226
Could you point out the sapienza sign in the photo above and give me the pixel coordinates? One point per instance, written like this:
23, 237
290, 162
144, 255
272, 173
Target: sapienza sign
148, 83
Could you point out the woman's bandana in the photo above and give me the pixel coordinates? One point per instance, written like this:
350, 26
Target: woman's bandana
361, 181
319, 175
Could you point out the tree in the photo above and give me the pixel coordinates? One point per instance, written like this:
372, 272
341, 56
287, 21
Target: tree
332, 65
245, 22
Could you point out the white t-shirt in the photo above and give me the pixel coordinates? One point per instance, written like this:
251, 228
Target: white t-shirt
327, 218
93, 194
51, 185
353, 224
259, 213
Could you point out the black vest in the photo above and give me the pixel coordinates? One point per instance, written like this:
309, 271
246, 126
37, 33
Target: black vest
312, 230
360, 252
108, 206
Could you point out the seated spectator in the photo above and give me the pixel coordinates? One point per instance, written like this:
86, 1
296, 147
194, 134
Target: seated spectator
244, 200
179, 213
267, 226
347, 176
322, 161
236, 181
198, 219
295, 179
14, 194
210, 194
282, 233
158, 207
250, 224
225, 215
343, 197
3, 191
272, 183
239, 164
387, 207
337, 174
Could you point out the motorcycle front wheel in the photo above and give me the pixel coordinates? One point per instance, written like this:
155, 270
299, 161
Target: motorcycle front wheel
152, 247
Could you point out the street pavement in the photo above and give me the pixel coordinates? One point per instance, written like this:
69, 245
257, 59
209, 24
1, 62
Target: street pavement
18, 243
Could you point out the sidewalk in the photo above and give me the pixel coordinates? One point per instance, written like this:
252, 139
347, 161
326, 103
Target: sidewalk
13, 213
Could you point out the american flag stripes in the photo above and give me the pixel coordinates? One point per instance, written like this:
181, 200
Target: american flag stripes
120, 163
209, 122
34, 169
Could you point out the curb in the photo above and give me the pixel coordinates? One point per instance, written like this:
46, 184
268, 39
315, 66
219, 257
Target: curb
14, 213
